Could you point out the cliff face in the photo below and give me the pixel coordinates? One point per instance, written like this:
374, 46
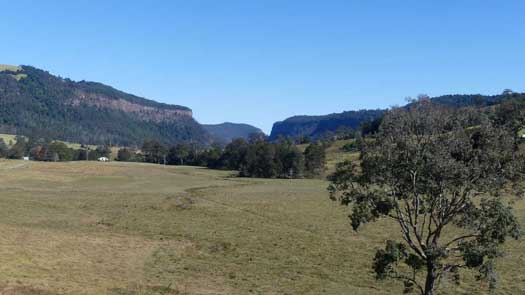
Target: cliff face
146, 113
36, 103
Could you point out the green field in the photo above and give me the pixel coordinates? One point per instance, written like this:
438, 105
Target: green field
128, 228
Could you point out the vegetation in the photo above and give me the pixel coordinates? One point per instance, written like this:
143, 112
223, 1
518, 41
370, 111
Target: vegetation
125, 155
9, 68
42, 105
317, 126
438, 181
439, 174
255, 158
315, 159
368, 121
47, 150
4, 149
128, 228
226, 132
54, 151
8, 139
154, 152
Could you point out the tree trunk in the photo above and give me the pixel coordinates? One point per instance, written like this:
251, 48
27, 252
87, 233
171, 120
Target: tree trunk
430, 279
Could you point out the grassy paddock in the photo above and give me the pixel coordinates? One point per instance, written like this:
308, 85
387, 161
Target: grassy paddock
9, 68
13, 69
8, 138
335, 154
128, 228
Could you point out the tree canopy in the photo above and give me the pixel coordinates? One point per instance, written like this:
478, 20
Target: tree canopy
43, 105
440, 174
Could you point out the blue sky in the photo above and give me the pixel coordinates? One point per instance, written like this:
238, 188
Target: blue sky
258, 62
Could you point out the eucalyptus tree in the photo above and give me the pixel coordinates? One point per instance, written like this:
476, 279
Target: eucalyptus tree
315, 159
446, 178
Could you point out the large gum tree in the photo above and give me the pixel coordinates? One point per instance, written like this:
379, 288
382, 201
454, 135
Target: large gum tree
446, 178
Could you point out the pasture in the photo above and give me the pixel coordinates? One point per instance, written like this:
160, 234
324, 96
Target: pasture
8, 139
130, 228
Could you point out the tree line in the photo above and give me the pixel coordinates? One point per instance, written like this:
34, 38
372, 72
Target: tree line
255, 157
52, 151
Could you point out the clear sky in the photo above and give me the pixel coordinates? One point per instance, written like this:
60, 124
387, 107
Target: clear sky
258, 62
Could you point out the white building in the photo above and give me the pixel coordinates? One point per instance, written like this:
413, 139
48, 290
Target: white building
103, 159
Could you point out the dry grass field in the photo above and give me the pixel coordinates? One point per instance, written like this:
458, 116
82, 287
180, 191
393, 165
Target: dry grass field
128, 228
9, 68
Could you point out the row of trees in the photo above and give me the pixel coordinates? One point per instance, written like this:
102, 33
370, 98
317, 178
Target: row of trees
45, 150
282, 159
252, 158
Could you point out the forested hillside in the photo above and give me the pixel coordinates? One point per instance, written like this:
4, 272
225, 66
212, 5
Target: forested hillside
226, 132
37, 104
317, 126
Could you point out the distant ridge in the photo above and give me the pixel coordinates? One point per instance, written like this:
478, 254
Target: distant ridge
35, 103
226, 132
316, 126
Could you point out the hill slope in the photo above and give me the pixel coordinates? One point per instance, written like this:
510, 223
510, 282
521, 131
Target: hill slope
315, 126
226, 132
34, 102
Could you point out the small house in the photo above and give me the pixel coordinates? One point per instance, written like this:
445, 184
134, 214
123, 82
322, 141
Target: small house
103, 159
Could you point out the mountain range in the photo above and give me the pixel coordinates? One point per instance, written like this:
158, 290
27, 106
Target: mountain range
317, 126
226, 132
35, 103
